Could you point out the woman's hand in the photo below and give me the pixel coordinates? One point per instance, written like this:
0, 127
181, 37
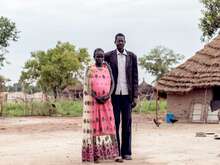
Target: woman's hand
106, 97
99, 99
102, 99
93, 94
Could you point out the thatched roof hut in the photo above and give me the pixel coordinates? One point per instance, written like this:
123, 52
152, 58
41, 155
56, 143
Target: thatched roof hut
200, 71
196, 79
73, 91
145, 90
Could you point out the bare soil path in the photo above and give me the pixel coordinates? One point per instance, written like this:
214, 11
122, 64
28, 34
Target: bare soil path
57, 141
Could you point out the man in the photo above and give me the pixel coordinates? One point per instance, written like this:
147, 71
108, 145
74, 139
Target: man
124, 97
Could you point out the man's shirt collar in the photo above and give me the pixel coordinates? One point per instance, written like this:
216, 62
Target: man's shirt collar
124, 52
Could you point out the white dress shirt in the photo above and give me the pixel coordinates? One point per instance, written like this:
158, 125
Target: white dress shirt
122, 87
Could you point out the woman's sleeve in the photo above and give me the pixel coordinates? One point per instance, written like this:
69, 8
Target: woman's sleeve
112, 80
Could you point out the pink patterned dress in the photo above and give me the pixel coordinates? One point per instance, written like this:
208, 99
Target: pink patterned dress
99, 135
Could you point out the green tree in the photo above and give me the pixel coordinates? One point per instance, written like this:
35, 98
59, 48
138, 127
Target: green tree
8, 32
56, 68
159, 61
3, 82
16, 87
210, 20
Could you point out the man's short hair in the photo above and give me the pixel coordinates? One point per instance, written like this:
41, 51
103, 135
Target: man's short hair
119, 35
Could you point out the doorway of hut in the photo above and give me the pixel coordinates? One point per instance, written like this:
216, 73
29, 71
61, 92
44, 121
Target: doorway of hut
216, 93
207, 110
214, 108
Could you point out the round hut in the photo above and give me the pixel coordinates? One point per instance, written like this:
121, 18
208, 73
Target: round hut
145, 90
73, 91
193, 88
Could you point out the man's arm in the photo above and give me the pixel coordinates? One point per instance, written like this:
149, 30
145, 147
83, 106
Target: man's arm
135, 77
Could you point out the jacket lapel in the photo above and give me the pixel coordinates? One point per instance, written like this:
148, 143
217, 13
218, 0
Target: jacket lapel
127, 62
115, 61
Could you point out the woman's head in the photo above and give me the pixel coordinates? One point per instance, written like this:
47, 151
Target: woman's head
98, 56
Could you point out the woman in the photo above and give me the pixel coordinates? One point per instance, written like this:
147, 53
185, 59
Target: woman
99, 135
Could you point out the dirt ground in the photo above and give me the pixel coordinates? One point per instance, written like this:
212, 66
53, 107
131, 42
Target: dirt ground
57, 141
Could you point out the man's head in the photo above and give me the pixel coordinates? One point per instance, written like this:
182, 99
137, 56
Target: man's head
120, 41
98, 56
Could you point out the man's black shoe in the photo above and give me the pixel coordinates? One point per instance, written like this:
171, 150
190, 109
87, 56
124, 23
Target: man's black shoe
127, 157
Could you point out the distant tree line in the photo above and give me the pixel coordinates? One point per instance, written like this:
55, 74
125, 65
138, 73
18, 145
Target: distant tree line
17, 87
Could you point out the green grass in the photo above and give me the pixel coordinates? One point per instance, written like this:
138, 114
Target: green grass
67, 108
63, 108
13, 109
150, 106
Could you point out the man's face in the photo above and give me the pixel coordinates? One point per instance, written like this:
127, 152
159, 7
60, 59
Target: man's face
120, 42
99, 57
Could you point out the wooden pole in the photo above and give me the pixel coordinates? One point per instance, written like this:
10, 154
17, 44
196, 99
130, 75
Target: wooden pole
1, 103
157, 105
205, 108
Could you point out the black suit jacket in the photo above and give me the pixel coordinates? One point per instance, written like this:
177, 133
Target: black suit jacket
131, 71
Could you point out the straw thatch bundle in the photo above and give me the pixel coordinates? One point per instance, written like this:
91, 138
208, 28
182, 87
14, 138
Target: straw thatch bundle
200, 71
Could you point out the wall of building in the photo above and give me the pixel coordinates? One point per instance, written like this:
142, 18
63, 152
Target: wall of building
180, 105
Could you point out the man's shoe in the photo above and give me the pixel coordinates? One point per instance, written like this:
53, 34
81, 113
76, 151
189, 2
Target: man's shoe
119, 160
127, 157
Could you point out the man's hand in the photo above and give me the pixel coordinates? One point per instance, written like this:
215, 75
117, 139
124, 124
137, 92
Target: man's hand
134, 103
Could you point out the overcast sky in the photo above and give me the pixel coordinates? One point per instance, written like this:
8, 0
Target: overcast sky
93, 23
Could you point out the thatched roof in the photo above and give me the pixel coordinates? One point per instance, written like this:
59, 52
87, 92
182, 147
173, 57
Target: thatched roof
76, 87
145, 88
200, 71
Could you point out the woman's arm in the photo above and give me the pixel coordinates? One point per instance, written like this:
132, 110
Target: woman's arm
112, 80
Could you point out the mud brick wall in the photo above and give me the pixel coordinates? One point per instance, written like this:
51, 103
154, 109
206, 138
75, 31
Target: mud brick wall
180, 105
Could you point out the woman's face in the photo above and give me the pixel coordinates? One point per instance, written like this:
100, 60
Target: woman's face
99, 57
